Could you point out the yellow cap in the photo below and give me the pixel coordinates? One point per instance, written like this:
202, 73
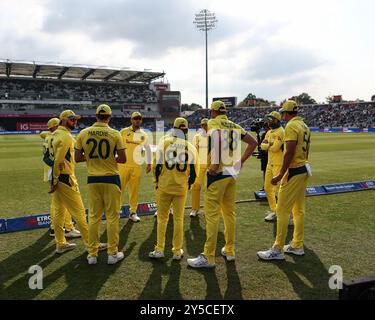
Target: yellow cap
180, 123
218, 105
69, 114
136, 114
289, 106
53, 123
104, 109
274, 114
204, 121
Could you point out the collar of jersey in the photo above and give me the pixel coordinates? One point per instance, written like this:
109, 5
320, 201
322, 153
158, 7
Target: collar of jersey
100, 124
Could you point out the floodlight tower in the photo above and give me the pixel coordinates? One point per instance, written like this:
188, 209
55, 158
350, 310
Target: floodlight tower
205, 21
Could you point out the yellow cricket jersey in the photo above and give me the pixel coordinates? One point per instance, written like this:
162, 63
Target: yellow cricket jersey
231, 136
62, 144
201, 144
47, 154
134, 141
175, 165
297, 130
275, 138
100, 143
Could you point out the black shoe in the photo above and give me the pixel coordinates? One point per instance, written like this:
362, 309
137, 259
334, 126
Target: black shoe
51, 232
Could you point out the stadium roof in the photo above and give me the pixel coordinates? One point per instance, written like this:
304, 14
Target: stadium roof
36, 70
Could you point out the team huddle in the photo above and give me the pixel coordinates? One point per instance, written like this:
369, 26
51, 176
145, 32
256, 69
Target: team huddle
211, 162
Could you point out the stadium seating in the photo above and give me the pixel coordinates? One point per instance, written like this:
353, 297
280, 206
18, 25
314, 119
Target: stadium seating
75, 91
361, 115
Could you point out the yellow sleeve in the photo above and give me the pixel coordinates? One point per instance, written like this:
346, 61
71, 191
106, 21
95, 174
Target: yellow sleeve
266, 146
120, 145
291, 133
43, 134
278, 141
60, 151
78, 144
212, 125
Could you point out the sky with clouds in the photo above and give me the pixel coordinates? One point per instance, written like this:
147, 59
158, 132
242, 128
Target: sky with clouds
274, 49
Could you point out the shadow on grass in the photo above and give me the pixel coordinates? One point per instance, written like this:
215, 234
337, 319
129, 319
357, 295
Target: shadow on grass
195, 240
20, 262
153, 289
82, 280
307, 274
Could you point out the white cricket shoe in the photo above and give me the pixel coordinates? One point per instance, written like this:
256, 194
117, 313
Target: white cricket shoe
156, 254
228, 257
291, 221
66, 247
200, 262
178, 257
194, 213
271, 254
291, 250
92, 260
134, 217
114, 258
74, 233
271, 216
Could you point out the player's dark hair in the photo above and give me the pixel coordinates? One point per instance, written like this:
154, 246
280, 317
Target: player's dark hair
103, 117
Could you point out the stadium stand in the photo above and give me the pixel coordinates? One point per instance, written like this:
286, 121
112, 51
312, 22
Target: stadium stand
32, 92
360, 115
75, 91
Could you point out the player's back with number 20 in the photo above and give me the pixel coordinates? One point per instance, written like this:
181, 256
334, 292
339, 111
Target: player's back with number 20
102, 148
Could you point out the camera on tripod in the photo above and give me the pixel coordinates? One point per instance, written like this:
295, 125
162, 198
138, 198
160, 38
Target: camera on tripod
257, 125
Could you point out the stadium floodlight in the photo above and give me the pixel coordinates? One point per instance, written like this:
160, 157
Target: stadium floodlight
205, 21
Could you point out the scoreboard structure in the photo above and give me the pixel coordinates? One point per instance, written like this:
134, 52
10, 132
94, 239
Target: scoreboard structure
230, 102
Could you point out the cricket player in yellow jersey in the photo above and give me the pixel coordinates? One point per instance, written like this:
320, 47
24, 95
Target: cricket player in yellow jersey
52, 125
136, 147
273, 144
64, 186
201, 144
168, 134
293, 175
224, 158
102, 148
175, 170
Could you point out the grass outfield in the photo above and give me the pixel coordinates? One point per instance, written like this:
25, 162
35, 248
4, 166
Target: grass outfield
339, 231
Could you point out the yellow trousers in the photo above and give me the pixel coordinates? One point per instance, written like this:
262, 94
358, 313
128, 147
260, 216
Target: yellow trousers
269, 188
68, 223
196, 188
104, 197
291, 199
219, 201
64, 199
164, 201
131, 177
